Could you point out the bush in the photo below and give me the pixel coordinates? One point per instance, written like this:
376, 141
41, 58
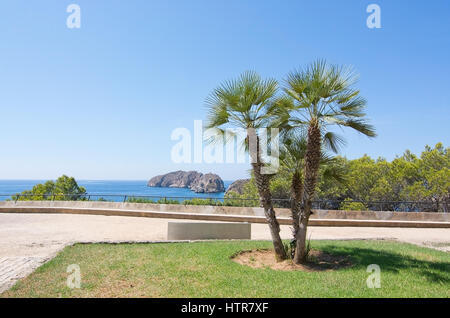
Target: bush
151, 201
350, 205
64, 189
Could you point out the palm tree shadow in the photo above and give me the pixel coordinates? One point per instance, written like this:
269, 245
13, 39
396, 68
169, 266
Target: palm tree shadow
433, 271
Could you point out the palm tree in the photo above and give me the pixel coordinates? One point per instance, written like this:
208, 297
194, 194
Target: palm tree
248, 103
321, 95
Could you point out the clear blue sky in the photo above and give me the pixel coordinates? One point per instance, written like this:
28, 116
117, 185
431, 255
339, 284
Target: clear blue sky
100, 102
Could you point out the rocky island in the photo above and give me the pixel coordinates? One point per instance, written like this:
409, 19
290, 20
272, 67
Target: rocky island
237, 186
193, 180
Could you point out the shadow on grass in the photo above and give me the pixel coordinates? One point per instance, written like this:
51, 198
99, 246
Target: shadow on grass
434, 271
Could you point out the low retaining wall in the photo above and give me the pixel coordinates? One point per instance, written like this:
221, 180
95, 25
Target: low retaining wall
218, 217
225, 210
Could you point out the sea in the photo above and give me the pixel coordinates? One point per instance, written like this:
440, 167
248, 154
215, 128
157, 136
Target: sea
114, 190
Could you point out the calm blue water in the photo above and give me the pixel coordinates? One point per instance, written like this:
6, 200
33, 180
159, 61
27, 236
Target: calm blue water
98, 188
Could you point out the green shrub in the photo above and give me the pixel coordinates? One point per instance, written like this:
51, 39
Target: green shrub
151, 201
349, 205
197, 201
64, 189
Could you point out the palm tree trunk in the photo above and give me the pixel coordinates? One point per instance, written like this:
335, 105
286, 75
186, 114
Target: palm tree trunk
265, 196
296, 196
312, 162
300, 247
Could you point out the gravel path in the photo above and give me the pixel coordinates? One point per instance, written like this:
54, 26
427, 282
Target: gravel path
29, 240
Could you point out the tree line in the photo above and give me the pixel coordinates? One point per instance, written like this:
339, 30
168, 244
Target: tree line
407, 183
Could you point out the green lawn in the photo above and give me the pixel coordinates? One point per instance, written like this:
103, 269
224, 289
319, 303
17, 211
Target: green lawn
206, 270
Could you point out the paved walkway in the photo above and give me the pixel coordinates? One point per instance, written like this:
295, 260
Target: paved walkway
14, 268
29, 240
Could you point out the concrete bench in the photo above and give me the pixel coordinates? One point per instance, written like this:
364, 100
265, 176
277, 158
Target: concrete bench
208, 231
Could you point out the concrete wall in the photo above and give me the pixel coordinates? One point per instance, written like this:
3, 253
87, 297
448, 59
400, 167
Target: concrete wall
200, 209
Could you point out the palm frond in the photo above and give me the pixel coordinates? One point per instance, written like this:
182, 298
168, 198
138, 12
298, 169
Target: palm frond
335, 172
361, 126
333, 141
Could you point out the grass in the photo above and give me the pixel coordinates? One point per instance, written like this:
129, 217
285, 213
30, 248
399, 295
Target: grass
205, 269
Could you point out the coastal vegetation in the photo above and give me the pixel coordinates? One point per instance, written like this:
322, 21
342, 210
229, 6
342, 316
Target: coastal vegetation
64, 188
208, 270
407, 183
